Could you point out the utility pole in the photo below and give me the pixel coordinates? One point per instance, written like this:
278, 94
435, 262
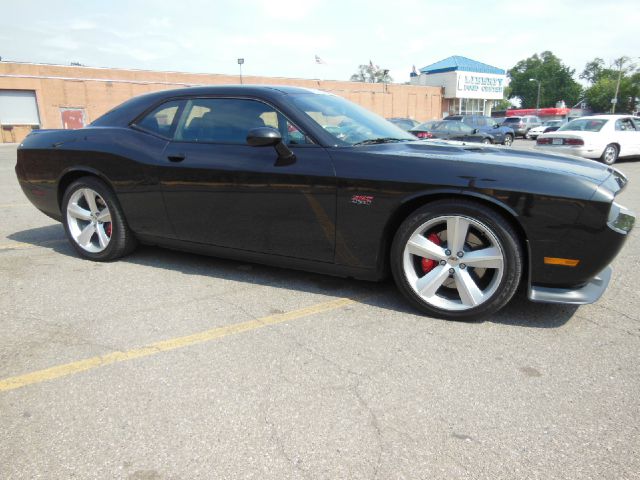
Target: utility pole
620, 61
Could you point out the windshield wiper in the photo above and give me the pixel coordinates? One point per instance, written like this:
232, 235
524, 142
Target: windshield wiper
374, 141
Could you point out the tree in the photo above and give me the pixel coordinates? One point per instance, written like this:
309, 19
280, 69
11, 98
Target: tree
504, 103
620, 80
371, 74
593, 70
556, 81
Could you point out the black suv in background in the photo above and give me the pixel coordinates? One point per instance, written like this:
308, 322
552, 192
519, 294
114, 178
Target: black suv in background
522, 125
500, 133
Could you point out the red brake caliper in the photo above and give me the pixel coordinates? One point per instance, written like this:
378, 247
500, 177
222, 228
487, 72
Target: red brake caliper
108, 229
427, 263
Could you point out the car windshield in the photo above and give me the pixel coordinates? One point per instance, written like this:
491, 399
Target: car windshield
584, 125
552, 123
348, 123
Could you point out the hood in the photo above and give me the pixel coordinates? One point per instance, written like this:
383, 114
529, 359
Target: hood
496, 156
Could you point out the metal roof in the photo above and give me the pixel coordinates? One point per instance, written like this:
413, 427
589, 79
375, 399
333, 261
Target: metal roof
461, 64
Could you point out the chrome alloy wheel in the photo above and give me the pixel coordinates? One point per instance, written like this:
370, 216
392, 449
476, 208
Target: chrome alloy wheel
89, 220
453, 263
610, 154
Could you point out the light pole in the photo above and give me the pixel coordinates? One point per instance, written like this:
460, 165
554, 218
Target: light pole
385, 74
538, 99
240, 62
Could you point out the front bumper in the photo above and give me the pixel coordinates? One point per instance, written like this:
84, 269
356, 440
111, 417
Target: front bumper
588, 293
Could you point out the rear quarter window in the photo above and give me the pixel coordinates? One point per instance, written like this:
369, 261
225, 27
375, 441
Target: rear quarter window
162, 119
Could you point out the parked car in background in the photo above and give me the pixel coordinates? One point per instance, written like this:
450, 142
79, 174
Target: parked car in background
447, 130
548, 126
500, 134
405, 124
603, 137
522, 125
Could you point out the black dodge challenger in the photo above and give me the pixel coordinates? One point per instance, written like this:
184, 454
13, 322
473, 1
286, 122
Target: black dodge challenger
305, 179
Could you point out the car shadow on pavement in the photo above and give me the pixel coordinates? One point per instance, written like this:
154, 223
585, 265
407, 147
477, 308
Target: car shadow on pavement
519, 312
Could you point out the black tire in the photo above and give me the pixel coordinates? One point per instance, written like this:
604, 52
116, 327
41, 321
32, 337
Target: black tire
501, 233
610, 154
508, 140
121, 241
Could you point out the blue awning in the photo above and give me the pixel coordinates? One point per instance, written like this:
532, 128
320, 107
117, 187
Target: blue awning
461, 64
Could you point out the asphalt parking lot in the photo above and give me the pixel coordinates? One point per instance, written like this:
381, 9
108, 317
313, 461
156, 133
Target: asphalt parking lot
168, 365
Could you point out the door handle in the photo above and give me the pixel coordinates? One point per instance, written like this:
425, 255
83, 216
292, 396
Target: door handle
176, 157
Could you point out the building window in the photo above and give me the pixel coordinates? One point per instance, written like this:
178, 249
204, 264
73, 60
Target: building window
468, 106
18, 107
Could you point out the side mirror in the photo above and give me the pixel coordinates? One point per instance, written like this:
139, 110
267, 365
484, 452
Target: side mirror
475, 130
263, 137
495, 125
270, 137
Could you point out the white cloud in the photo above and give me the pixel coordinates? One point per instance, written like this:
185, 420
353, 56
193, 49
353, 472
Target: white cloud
62, 42
82, 24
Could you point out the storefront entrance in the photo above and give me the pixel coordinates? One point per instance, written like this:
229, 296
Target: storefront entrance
470, 106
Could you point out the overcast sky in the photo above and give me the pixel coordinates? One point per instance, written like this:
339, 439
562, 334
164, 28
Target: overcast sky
281, 37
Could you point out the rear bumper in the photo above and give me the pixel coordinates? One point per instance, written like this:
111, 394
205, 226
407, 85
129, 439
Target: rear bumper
588, 293
585, 151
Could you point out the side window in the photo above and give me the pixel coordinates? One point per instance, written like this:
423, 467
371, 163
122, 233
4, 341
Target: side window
161, 120
620, 125
228, 120
625, 124
466, 129
481, 122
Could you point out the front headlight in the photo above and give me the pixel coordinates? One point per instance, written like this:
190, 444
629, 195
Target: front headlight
620, 219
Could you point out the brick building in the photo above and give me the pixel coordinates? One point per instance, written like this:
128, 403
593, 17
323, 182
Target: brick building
54, 96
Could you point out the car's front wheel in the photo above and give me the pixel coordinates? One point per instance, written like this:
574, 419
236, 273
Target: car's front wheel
94, 222
457, 260
610, 154
486, 141
508, 140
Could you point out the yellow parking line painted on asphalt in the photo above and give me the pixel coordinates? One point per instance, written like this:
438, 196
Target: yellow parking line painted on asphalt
23, 246
58, 371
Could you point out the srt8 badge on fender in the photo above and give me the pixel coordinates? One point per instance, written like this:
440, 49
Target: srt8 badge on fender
362, 199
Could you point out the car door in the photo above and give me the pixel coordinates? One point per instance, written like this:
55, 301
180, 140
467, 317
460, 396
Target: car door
220, 191
454, 130
489, 126
468, 133
627, 136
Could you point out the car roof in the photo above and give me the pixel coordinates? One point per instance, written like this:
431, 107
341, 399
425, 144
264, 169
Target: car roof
125, 112
603, 117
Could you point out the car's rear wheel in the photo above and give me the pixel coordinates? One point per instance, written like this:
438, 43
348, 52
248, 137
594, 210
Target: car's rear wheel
508, 140
610, 154
486, 141
457, 260
94, 222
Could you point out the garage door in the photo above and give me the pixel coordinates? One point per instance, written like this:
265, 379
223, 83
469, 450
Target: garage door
18, 107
